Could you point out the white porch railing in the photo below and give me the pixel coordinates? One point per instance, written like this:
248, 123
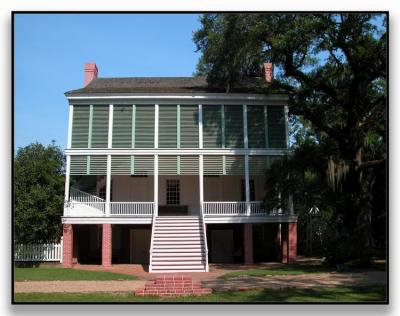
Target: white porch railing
233, 208
131, 208
38, 252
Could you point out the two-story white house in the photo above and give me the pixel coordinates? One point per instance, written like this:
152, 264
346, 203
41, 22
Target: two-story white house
170, 172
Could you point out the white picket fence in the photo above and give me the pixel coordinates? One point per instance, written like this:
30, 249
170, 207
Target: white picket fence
38, 252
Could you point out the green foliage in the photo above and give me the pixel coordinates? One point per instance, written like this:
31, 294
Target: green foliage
62, 274
333, 67
39, 193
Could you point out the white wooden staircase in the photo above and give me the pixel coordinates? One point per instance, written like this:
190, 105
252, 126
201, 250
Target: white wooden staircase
178, 245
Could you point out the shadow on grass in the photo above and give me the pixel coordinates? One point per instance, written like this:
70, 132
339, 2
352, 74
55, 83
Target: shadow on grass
343, 295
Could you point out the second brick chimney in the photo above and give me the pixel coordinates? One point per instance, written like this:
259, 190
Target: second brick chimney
91, 73
268, 72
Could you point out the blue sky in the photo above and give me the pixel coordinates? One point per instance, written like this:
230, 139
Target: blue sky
51, 49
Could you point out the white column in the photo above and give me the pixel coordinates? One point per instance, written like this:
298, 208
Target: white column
70, 118
201, 180
108, 179
287, 125
110, 125
67, 172
68, 158
201, 183
156, 126
247, 182
245, 136
246, 159
156, 185
200, 126
108, 185
156, 114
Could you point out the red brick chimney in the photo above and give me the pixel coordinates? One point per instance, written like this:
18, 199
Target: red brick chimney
91, 72
268, 72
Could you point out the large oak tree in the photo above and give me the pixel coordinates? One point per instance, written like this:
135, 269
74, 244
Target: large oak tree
334, 69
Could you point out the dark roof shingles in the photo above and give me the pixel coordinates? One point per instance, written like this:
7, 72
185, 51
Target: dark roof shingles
159, 85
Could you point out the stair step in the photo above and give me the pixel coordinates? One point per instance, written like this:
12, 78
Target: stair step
174, 262
177, 238
180, 235
176, 217
178, 258
177, 224
174, 243
174, 251
159, 267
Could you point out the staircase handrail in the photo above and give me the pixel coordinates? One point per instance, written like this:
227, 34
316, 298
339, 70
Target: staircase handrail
81, 196
204, 236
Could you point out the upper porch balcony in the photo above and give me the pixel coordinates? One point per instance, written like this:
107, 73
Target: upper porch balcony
132, 199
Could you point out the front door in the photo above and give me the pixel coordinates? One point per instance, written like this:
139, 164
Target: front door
140, 245
222, 245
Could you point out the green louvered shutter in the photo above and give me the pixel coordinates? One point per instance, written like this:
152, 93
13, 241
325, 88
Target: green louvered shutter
212, 127
276, 127
143, 165
132, 165
100, 126
80, 126
258, 165
233, 126
188, 165
88, 165
234, 165
189, 120
256, 126
167, 128
213, 165
97, 165
78, 165
144, 126
167, 165
122, 126
120, 165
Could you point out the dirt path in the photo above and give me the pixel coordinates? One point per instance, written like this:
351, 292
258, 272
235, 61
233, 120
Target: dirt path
76, 286
333, 279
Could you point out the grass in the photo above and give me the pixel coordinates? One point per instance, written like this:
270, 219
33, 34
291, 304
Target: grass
343, 294
281, 270
63, 274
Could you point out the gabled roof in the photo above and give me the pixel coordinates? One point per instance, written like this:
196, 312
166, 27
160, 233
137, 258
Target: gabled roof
161, 85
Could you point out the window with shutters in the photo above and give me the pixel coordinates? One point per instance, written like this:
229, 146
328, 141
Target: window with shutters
144, 126
173, 192
99, 136
189, 126
80, 126
276, 127
167, 126
212, 127
256, 126
233, 121
122, 126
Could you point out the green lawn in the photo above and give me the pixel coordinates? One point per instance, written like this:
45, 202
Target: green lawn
53, 274
281, 270
347, 294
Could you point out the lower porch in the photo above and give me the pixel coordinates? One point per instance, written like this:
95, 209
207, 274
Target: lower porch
109, 245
